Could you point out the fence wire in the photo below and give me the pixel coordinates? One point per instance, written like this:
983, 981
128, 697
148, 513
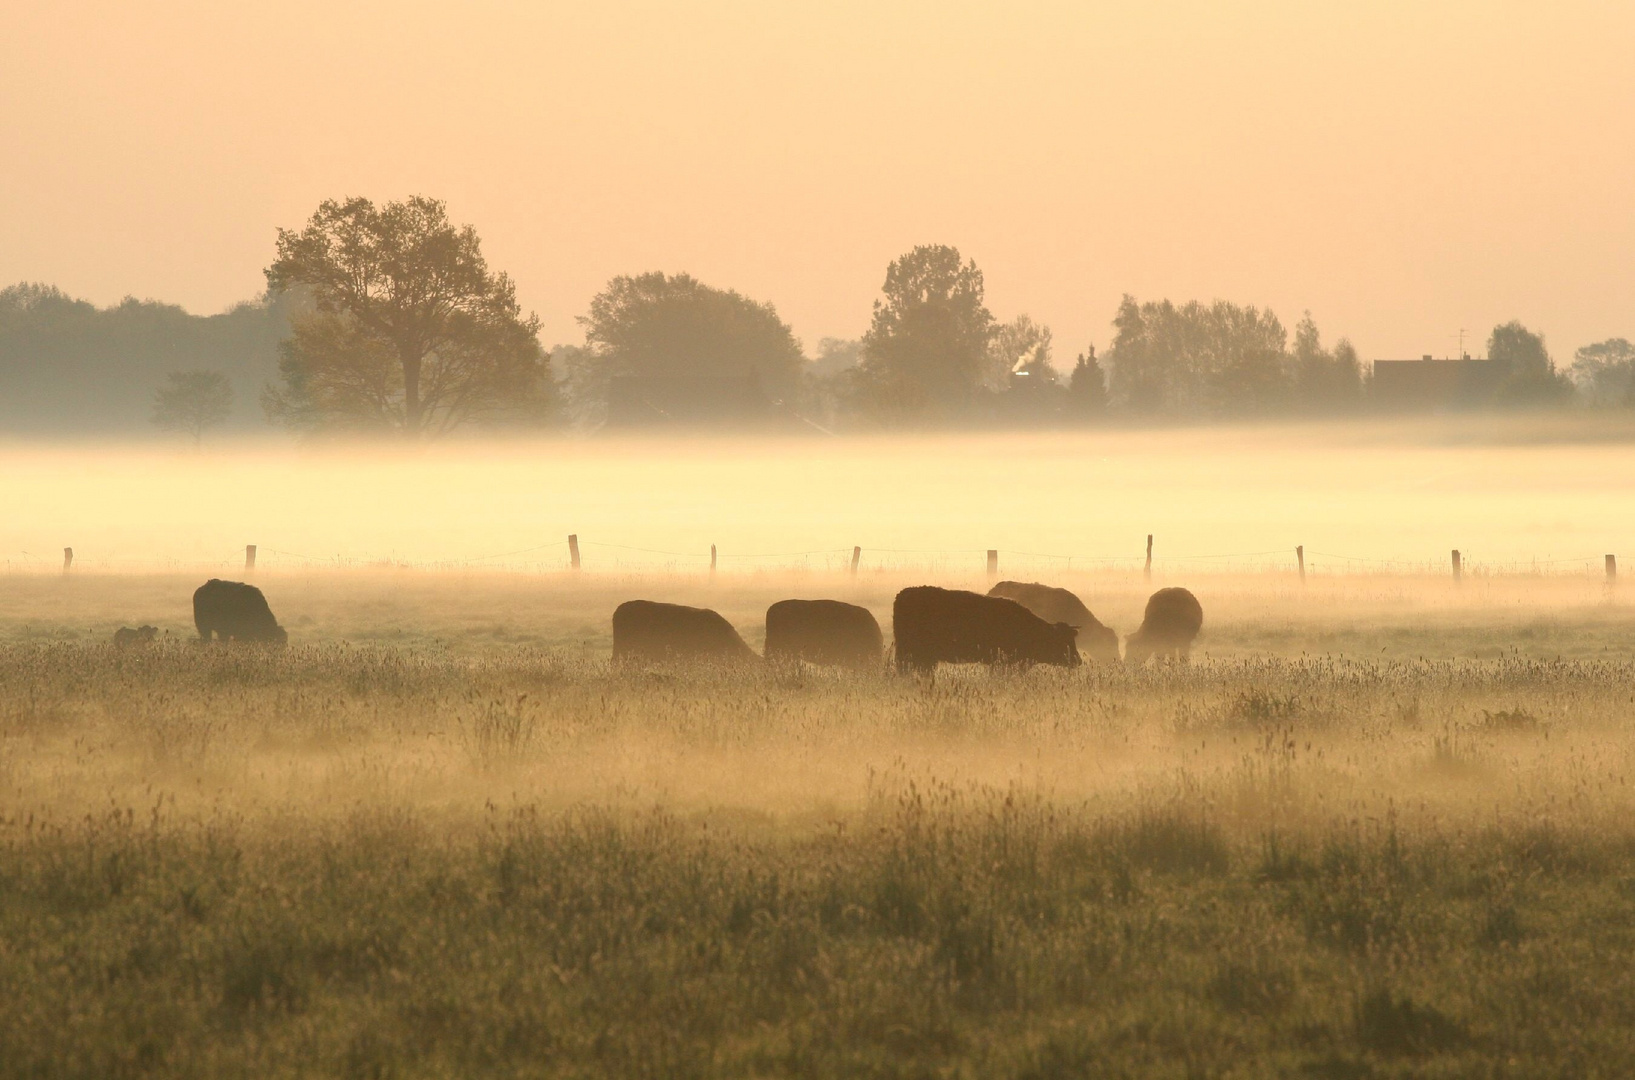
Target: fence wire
554, 556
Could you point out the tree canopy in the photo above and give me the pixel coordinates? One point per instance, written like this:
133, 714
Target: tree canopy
67, 365
1605, 372
1087, 387
658, 324
1220, 358
1325, 381
409, 331
926, 351
1530, 375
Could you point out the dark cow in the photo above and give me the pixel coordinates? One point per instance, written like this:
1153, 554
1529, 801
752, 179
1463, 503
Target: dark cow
1173, 619
645, 630
125, 636
935, 626
823, 632
1051, 604
234, 611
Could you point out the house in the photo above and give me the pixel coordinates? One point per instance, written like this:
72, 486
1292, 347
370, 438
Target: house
1427, 385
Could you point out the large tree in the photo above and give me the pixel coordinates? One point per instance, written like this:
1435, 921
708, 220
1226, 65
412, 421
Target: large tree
1605, 372
926, 350
1530, 376
658, 324
409, 330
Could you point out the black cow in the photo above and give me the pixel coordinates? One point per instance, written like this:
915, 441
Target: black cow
645, 630
823, 632
1173, 619
935, 626
1051, 604
234, 611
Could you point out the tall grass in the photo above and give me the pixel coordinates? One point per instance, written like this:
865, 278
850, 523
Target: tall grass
424, 859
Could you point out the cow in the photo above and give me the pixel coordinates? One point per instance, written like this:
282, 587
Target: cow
1051, 604
646, 630
823, 632
125, 636
935, 626
234, 611
1173, 619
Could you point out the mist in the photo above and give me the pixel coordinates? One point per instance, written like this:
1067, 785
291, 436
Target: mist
1381, 497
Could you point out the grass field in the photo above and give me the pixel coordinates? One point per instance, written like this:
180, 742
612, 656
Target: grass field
1379, 827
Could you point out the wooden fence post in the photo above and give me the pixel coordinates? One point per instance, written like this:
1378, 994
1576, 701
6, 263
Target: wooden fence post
1147, 573
1612, 569
712, 560
1300, 555
1458, 566
573, 550
249, 558
67, 559
857, 557
993, 562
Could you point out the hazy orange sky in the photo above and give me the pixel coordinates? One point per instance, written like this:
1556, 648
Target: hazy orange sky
1401, 169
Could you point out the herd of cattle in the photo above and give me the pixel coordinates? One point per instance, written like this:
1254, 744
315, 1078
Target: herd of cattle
1015, 623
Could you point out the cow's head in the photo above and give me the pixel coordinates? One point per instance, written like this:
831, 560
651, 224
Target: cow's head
1062, 645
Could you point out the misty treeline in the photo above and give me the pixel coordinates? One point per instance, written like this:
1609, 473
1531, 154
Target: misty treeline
388, 319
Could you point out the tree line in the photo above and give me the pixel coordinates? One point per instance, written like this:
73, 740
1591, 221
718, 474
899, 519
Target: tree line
389, 319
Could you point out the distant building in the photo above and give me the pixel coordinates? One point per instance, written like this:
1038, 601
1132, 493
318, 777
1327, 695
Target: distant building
1427, 385
724, 402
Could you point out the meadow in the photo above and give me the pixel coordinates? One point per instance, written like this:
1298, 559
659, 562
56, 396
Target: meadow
1379, 826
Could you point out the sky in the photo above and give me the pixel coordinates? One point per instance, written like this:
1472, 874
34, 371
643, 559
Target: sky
1404, 170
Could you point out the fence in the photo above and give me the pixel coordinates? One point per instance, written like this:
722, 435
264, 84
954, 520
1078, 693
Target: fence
576, 555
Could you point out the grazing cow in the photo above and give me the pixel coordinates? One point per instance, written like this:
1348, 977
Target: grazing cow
1173, 619
935, 626
823, 632
234, 611
125, 637
1051, 604
645, 630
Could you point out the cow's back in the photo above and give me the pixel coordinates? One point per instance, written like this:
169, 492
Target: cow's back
1046, 601
1096, 640
823, 632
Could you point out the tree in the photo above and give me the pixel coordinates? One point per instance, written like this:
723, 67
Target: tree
827, 378
67, 365
1324, 381
926, 350
192, 402
657, 324
1087, 390
1530, 376
409, 331
1605, 372
1221, 358
1020, 346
